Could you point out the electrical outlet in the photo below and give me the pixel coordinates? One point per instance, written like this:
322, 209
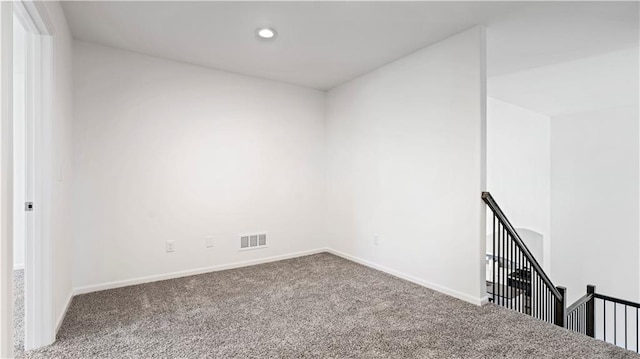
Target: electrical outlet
209, 241
376, 239
169, 246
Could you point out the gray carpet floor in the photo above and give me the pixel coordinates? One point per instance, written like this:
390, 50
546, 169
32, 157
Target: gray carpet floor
18, 310
319, 306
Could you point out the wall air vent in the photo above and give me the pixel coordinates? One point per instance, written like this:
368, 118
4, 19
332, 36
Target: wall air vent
253, 241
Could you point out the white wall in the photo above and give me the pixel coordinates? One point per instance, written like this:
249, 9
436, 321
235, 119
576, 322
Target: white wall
594, 202
169, 151
405, 163
62, 231
518, 170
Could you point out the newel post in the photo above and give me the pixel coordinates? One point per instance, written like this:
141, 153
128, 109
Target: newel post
591, 311
561, 308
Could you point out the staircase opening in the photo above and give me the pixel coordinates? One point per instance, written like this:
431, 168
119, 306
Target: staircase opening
516, 280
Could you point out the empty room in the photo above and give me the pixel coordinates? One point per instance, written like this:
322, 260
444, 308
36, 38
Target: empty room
309, 179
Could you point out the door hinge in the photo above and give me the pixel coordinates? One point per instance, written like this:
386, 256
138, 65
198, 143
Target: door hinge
28, 206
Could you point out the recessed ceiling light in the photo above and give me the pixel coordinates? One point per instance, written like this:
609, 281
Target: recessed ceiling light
266, 33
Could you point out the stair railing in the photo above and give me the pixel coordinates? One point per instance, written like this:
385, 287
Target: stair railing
613, 320
515, 279
580, 315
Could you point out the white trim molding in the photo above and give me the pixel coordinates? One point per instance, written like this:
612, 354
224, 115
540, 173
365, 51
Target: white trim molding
60, 319
6, 184
190, 272
149, 279
410, 278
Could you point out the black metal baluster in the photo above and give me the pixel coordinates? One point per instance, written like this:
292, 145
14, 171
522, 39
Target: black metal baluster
520, 282
497, 281
579, 319
625, 326
516, 278
508, 271
500, 254
502, 289
532, 283
499, 259
585, 318
539, 297
534, 295
570, 321
615, 325
530, 290
506, 268
511, 288
494, 258
546, 301
543, 300
543, 315
553, 306
604, 310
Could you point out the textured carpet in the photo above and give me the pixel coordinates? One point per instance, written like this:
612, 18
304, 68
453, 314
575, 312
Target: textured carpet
318, 306
18, 310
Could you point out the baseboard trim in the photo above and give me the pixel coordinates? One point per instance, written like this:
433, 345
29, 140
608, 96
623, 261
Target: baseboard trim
64, 312
141, 280
410, 278
186, 273
18, 266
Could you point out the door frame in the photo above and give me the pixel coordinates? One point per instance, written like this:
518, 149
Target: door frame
40, 326
6, 179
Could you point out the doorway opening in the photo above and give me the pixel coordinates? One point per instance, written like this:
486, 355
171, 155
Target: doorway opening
31, 134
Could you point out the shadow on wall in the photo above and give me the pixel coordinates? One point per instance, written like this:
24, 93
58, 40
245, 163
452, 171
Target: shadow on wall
532, 239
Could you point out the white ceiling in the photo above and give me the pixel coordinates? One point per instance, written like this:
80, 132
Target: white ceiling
322, 44
603, 81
